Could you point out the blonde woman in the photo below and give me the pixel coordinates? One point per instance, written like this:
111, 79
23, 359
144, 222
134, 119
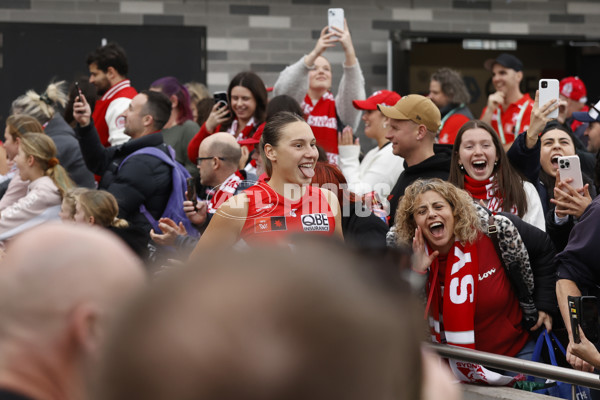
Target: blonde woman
48, 183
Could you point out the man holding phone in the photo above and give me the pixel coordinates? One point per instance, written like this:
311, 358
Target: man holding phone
108, 72
508, 109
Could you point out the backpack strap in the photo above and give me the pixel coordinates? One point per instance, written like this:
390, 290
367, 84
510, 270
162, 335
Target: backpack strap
170, 161
515, 276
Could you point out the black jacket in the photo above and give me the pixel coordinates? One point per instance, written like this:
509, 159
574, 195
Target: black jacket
69, 153
437, 166
143, 179
362, 229
541, 257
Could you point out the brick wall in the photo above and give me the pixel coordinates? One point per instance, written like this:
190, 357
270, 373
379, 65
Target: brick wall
265, 36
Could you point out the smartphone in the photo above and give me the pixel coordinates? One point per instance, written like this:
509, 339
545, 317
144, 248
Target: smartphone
583, 311
221, 97
191, 190
570, 167
574, 310
335, 17
549, 89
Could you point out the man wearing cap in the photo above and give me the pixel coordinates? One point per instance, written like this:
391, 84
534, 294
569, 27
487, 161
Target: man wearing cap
448, 91
380, 168
413, 124
592, 131
508, 110
574, 94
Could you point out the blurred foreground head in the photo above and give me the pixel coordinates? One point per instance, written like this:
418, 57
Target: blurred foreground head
61, 287
268, 324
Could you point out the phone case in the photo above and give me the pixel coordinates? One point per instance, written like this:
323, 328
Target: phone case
336, 17
574, 307
548, 93
569, 167
220, 97
589, 317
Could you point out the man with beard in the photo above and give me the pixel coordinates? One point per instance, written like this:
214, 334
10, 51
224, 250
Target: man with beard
108, 72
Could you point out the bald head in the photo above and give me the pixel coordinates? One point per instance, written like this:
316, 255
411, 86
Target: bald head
222, 144
52, 270
219, 158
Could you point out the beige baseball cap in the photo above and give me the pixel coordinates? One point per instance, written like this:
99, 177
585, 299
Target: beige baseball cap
416, 108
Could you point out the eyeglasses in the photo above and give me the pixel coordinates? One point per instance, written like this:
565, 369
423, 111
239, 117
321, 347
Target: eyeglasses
200, 159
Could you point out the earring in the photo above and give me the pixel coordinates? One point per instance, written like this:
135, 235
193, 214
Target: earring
384, 125
495, 163
462, 168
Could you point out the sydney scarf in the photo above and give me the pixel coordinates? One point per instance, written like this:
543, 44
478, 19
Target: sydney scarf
487, 190
457, 324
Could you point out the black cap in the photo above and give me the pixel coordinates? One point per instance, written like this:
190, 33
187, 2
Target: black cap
506, 60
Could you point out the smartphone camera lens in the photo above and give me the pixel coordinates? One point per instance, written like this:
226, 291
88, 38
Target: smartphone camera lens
567, 164
544, 84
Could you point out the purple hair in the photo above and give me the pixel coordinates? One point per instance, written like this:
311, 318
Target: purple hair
170, 86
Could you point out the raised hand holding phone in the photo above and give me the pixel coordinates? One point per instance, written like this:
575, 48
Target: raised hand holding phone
82, 112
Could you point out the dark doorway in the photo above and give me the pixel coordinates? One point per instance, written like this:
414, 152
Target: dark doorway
33, 55
417, 55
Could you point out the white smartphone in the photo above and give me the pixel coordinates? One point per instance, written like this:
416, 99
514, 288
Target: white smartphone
570, 167
549, 89
335, 18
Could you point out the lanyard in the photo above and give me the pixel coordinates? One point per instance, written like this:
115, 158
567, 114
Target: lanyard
448, 115
517, 126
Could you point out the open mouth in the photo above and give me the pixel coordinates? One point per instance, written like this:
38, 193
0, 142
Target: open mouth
307, 170
436, 229
554, 161
479, 166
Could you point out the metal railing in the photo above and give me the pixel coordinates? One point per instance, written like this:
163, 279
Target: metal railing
540, 370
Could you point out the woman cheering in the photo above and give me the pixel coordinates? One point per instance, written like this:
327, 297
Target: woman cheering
472, 301
480, 166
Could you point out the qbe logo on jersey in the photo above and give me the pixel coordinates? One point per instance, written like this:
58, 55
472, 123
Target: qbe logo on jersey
315, 222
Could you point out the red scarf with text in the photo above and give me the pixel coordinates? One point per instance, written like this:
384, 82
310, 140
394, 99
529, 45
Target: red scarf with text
322, 118
457, 300
487, 190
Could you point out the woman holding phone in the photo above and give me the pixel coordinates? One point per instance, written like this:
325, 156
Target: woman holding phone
247, 107
269, 213
309, 82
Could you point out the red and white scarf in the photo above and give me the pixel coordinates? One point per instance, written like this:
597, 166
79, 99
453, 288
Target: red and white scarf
455, 304
488, 190
322, 119
224, 191
244, 133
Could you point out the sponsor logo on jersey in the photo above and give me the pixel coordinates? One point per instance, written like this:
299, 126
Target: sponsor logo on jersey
315, 222
269, 224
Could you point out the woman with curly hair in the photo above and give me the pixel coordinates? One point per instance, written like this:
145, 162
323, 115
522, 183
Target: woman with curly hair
472, 300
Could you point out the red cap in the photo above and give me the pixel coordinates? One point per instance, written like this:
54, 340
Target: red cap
573, 88
383, 97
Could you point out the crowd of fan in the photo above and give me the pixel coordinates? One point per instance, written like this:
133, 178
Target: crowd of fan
329, 243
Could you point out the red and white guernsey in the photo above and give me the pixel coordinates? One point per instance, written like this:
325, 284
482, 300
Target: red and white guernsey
322, 119
272, 217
